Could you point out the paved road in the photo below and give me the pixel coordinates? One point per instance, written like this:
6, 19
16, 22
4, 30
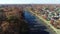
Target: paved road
36, 26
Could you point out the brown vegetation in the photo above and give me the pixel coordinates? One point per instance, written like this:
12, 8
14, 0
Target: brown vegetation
14, 22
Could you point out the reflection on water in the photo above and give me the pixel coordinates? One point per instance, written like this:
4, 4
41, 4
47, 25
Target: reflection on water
35, 26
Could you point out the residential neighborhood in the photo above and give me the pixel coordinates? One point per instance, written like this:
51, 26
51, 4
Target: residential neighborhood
30, 19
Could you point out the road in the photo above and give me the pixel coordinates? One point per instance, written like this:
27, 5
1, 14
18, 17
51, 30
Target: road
36, 25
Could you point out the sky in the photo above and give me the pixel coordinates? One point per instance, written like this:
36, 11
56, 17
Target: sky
29, 1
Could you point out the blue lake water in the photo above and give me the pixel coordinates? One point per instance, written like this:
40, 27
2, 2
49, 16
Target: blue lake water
36, 26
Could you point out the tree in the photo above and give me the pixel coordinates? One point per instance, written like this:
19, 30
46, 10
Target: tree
12, 18
19, 25
46, 8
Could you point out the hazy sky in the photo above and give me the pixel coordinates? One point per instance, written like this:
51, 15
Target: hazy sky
29, 1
